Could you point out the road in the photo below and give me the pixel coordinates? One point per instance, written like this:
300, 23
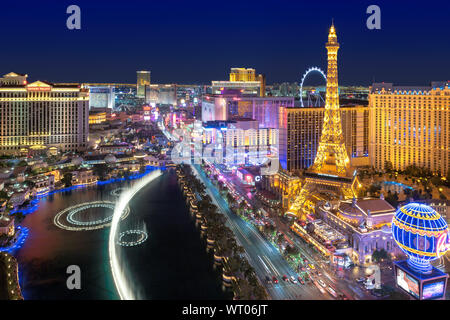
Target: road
261, 254
345, 284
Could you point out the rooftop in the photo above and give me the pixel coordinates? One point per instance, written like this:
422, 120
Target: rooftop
374, 206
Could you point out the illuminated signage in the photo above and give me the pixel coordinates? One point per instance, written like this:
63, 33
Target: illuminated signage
433, 290
39, 89
407, 283
443, 244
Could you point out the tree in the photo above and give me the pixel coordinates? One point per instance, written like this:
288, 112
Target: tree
18, 216
100, 170
230, 198
3, 194
374, 189
380, 255
22, 163
67, 179
436, 180
392, 198
291, 250
388, 166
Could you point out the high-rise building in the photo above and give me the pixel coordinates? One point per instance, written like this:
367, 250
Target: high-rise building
410, 126
102, 96
165, 94
40, 114
143, 79
331, 172
300, 132
242, 74
233, 105
243, 79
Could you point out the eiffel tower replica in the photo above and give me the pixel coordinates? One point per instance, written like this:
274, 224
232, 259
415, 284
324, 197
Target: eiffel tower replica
331, 175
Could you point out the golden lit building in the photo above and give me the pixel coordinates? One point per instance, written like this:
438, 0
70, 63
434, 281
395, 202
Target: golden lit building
42, 115
410, 126
143, 79
242, 74
243, 79
97, 117
300, 132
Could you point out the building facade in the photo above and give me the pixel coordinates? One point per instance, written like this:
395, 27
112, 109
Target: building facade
165, 94
41, 115
143, 79
366, 223
242, 74
228, 106
244, 79
410, 126
301, 128
101, 96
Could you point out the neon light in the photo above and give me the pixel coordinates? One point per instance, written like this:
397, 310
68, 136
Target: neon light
421, 233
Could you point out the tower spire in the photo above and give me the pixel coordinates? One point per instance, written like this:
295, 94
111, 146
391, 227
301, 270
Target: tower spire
331, 171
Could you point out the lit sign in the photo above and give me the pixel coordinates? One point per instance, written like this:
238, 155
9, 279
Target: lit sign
39, 88
407, 283
443, 244
433, 290
258, 178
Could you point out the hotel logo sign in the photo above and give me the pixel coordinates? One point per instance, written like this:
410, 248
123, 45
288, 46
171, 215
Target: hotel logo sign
39, 86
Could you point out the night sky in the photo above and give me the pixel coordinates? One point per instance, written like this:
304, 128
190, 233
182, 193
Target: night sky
198, 41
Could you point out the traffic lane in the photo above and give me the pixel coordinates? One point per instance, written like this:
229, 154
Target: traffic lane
252, 241
282, 265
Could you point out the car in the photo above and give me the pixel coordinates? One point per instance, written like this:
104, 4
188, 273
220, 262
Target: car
332, 292
285, 278
319, 287
293, 280
301, 280
268, 279
319, 273
321, 283
311, 266
274, 279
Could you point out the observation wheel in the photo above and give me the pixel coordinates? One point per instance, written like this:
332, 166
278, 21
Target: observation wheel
313, 97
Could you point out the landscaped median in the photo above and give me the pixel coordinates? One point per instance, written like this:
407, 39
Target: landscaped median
237, 272
9, 278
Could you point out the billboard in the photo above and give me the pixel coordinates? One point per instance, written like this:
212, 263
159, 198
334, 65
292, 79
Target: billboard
407, 283
433, 290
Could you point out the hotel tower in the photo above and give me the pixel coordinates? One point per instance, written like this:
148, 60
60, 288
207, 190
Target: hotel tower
41, 115
410, 126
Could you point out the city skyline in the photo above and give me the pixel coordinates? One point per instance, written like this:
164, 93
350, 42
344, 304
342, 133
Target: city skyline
201, 42
184, 152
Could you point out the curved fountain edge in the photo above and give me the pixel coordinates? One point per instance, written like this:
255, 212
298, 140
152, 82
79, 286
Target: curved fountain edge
120, 281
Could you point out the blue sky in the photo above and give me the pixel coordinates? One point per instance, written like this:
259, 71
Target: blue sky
198, 41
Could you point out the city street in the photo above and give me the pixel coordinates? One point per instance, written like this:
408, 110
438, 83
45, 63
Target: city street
343, 282
262, 255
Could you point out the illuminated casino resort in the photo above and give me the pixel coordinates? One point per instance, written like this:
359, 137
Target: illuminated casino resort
42, 116
418, 126
346, 226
